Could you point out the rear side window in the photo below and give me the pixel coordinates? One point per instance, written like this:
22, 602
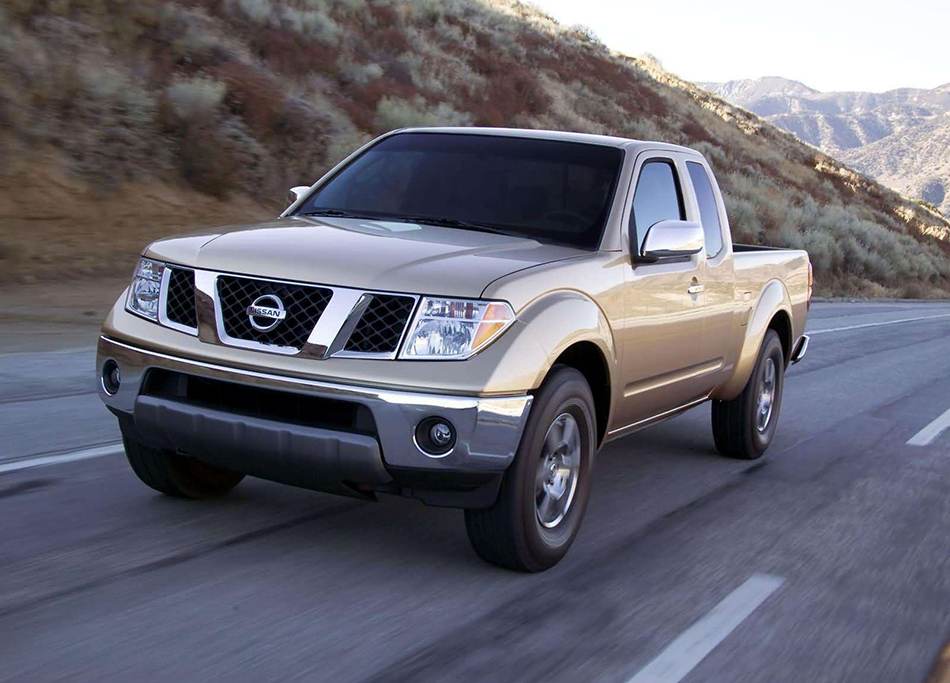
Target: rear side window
708, 211
657, 198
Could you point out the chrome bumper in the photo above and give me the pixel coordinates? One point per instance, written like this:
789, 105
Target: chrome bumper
488, 429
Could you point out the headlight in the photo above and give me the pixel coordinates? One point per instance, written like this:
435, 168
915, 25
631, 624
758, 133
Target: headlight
145, 289
455, 328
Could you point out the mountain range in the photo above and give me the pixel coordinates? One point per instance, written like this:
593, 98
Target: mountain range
900, 137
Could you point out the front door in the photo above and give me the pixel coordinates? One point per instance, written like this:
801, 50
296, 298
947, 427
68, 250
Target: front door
664, 365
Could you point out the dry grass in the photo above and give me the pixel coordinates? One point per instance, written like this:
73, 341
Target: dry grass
225, 103
57, 227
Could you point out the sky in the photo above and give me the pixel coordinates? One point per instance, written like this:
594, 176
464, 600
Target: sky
874, 45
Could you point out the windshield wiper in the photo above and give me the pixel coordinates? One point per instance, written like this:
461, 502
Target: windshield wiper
406, 218
336, 213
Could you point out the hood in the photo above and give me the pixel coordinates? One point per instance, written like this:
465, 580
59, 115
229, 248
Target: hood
367, 254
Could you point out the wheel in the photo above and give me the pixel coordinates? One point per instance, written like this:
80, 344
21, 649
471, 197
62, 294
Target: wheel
544, 493
743, 427
177, 475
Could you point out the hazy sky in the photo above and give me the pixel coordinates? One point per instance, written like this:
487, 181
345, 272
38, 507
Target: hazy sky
872, 45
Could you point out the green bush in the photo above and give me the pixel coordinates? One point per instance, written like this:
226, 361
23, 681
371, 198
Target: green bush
393, 112
195, 99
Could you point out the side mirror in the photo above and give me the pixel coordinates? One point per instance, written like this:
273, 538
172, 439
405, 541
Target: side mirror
671, 239
295, 193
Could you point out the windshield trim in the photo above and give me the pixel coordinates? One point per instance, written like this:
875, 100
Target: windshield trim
358, 154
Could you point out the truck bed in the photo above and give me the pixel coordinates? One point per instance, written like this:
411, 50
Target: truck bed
756, 267
741, 248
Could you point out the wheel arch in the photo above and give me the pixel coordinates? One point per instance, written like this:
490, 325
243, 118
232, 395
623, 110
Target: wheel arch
782, 324
574, 331
587, 358
772, 311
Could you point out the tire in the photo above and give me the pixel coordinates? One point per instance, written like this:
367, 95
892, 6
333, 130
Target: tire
737, 428
510, 533
177, 475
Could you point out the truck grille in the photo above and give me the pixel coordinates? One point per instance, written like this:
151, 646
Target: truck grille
303, 305
381, 326
377, 333
180, 301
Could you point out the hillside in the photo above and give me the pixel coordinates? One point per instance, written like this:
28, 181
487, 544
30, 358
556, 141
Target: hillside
900, 137
128, 120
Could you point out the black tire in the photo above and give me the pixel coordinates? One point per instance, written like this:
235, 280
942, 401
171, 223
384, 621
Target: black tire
734, 423
509, 533
177, 475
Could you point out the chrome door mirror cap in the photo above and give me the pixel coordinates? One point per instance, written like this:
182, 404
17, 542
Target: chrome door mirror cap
672, 239
295, 193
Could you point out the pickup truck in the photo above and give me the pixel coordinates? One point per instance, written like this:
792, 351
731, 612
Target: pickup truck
463, 316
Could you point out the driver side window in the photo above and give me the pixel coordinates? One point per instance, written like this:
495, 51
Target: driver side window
657, 198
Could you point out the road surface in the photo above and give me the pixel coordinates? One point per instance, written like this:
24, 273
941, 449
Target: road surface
828, 560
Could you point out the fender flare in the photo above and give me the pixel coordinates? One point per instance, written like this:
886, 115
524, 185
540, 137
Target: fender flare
552, 324
772, 300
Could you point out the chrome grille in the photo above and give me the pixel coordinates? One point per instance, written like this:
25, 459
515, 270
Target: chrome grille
382, 324
180, 299
303, 305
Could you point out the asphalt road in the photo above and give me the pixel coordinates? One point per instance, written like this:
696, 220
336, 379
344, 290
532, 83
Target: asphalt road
842, 529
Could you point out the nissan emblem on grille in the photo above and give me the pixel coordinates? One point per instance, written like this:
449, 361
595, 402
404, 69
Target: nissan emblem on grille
266, 312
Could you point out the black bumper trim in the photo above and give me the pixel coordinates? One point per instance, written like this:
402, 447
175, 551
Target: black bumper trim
309, 457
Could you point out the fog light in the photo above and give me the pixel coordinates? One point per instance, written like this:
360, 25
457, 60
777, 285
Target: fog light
435, 436
441, 434
111, 377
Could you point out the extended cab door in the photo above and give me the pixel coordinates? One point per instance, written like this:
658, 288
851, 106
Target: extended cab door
719, 341
664, 364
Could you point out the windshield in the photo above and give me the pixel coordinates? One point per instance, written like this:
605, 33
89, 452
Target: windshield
546, 190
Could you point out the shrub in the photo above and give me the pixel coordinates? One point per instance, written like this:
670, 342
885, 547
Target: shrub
217, 157
393, 112
358, 73
254, 95
309, 23
195, 98
585, 34
258, 11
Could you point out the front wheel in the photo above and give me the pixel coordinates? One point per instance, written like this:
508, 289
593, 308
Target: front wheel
743, 427
544, 493
178, 475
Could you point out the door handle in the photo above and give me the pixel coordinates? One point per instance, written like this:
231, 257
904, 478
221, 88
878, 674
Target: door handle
696, 289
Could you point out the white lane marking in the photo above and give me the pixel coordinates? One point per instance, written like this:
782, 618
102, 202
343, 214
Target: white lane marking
86, 454
691, 647
926, 435
888, 322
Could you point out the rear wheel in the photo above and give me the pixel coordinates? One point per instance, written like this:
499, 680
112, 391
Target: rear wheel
743, 427
178, 475
544, 493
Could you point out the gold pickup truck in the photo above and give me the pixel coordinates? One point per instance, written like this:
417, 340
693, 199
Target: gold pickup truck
463, 316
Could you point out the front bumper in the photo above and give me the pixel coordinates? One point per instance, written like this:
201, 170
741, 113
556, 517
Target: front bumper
488, 429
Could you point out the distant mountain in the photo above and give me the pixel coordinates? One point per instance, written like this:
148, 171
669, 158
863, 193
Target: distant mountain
754, 89
900, 137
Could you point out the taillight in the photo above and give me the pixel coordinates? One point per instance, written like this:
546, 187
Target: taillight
811, 280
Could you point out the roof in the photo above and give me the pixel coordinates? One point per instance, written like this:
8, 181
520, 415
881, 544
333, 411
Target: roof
563, 136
